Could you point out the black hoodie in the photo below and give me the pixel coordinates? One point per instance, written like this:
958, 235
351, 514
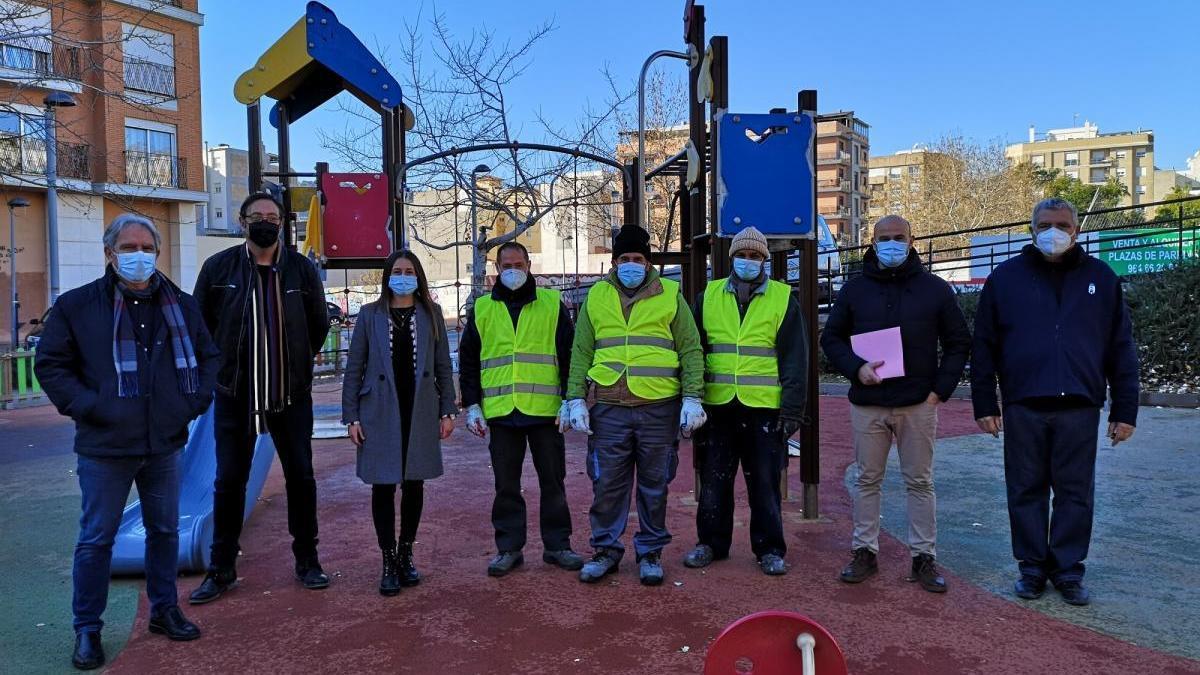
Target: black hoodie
926, 310
470, 345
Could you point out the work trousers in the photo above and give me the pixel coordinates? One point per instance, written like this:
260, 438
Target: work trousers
507, 447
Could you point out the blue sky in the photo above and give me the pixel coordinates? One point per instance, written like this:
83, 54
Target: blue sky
986, 70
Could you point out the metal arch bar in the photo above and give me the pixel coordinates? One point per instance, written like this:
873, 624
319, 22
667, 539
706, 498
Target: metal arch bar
514, 145
641, 191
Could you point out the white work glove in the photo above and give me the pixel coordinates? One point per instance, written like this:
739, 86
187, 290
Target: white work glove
563, 420
691, 416
476, 424
580, 421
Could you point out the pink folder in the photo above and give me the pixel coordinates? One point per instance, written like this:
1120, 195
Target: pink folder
881, 345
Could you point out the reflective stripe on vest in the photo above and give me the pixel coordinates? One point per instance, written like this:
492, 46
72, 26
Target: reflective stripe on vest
642, 348
741, 360
528, 379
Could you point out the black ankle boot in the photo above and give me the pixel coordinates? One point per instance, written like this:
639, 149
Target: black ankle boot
389, 581
404, 565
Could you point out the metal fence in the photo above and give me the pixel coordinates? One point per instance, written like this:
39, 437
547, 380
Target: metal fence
1140, 239
27, 155
18, 384
156, 169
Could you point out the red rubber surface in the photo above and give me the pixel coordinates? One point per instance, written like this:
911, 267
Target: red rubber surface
542, 620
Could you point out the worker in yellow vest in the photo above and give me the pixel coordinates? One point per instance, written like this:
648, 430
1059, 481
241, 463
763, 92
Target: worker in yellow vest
636, 341
756, 372
512, 360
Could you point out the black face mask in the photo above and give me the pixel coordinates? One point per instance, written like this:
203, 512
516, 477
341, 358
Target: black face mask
263, 234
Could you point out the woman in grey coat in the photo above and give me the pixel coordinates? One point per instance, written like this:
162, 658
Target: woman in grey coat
398, 400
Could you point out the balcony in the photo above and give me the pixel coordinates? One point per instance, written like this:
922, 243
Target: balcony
149, 77
28, 156
157, 170
842, 213
50, 61
833, 185
1101, 161
837, 157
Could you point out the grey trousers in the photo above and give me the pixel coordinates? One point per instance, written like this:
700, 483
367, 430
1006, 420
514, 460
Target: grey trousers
913, 428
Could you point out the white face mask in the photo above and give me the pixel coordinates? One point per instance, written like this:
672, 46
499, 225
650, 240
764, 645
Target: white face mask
1052, 241
513, 278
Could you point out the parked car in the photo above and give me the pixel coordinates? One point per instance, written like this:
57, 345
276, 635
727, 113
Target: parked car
35, 330
336, 316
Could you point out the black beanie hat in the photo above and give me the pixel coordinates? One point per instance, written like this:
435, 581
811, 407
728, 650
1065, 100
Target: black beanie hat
631, 239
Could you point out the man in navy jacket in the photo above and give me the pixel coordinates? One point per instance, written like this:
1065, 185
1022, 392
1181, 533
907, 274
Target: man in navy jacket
129, 359
1052, 325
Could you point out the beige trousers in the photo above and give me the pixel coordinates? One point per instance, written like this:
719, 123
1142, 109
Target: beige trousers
913, 428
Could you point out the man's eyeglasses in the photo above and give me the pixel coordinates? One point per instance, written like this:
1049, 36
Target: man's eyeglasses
251, 220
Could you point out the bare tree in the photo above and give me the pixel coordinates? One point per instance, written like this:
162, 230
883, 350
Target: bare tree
961, 184
459, 97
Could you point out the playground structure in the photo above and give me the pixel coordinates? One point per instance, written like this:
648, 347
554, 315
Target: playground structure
760, 169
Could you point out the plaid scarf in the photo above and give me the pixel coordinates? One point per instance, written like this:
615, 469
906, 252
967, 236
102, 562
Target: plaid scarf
125, 343
268, 346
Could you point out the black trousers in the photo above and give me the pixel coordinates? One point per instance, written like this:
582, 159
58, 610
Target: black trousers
1044, 453
383, 511
736, 434
291, 430
507, 448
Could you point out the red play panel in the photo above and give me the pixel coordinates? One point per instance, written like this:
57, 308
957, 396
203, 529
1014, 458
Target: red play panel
356, 215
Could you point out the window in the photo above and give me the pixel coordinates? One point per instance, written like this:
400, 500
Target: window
894, 172
28, 47
1141, 189
220, 213
1121, 154
1073, 174
22, 145
217, 188
1038, 160
1121, 173
1099, 156
1140, 152
149, 61
150, 155
1072, 159
1098, 176
1141, 172
914, 171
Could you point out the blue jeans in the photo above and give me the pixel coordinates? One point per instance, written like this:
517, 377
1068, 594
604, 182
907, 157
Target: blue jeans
105, 483
645, 438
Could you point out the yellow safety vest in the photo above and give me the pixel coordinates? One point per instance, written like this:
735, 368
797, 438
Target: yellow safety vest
519, 368
642, 348
741, 358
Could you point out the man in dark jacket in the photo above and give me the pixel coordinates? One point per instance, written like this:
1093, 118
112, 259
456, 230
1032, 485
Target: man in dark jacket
1052, 325
129, 359
895, 290
516, 391
265, 306
756, 371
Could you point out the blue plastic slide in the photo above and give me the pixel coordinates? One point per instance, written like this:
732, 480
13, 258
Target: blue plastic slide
197, 471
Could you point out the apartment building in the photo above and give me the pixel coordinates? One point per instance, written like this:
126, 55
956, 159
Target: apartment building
126, 80
1094, 157
896, 181
227, 180
843, 152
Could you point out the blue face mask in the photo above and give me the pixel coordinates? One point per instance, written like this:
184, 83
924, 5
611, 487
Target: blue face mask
631, 274
746, 269
135, 267
402, 284
891, 253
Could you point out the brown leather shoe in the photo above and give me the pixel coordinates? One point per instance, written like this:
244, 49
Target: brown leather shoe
925, 572
861, 567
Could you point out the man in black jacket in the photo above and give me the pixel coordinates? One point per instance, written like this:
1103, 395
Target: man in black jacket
517, 418
1052, 325
265, 306
756, 372
129, 359
895, 290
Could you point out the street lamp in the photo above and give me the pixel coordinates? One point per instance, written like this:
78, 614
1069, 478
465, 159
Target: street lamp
14, 203
614, 198
55, 99
477, 260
